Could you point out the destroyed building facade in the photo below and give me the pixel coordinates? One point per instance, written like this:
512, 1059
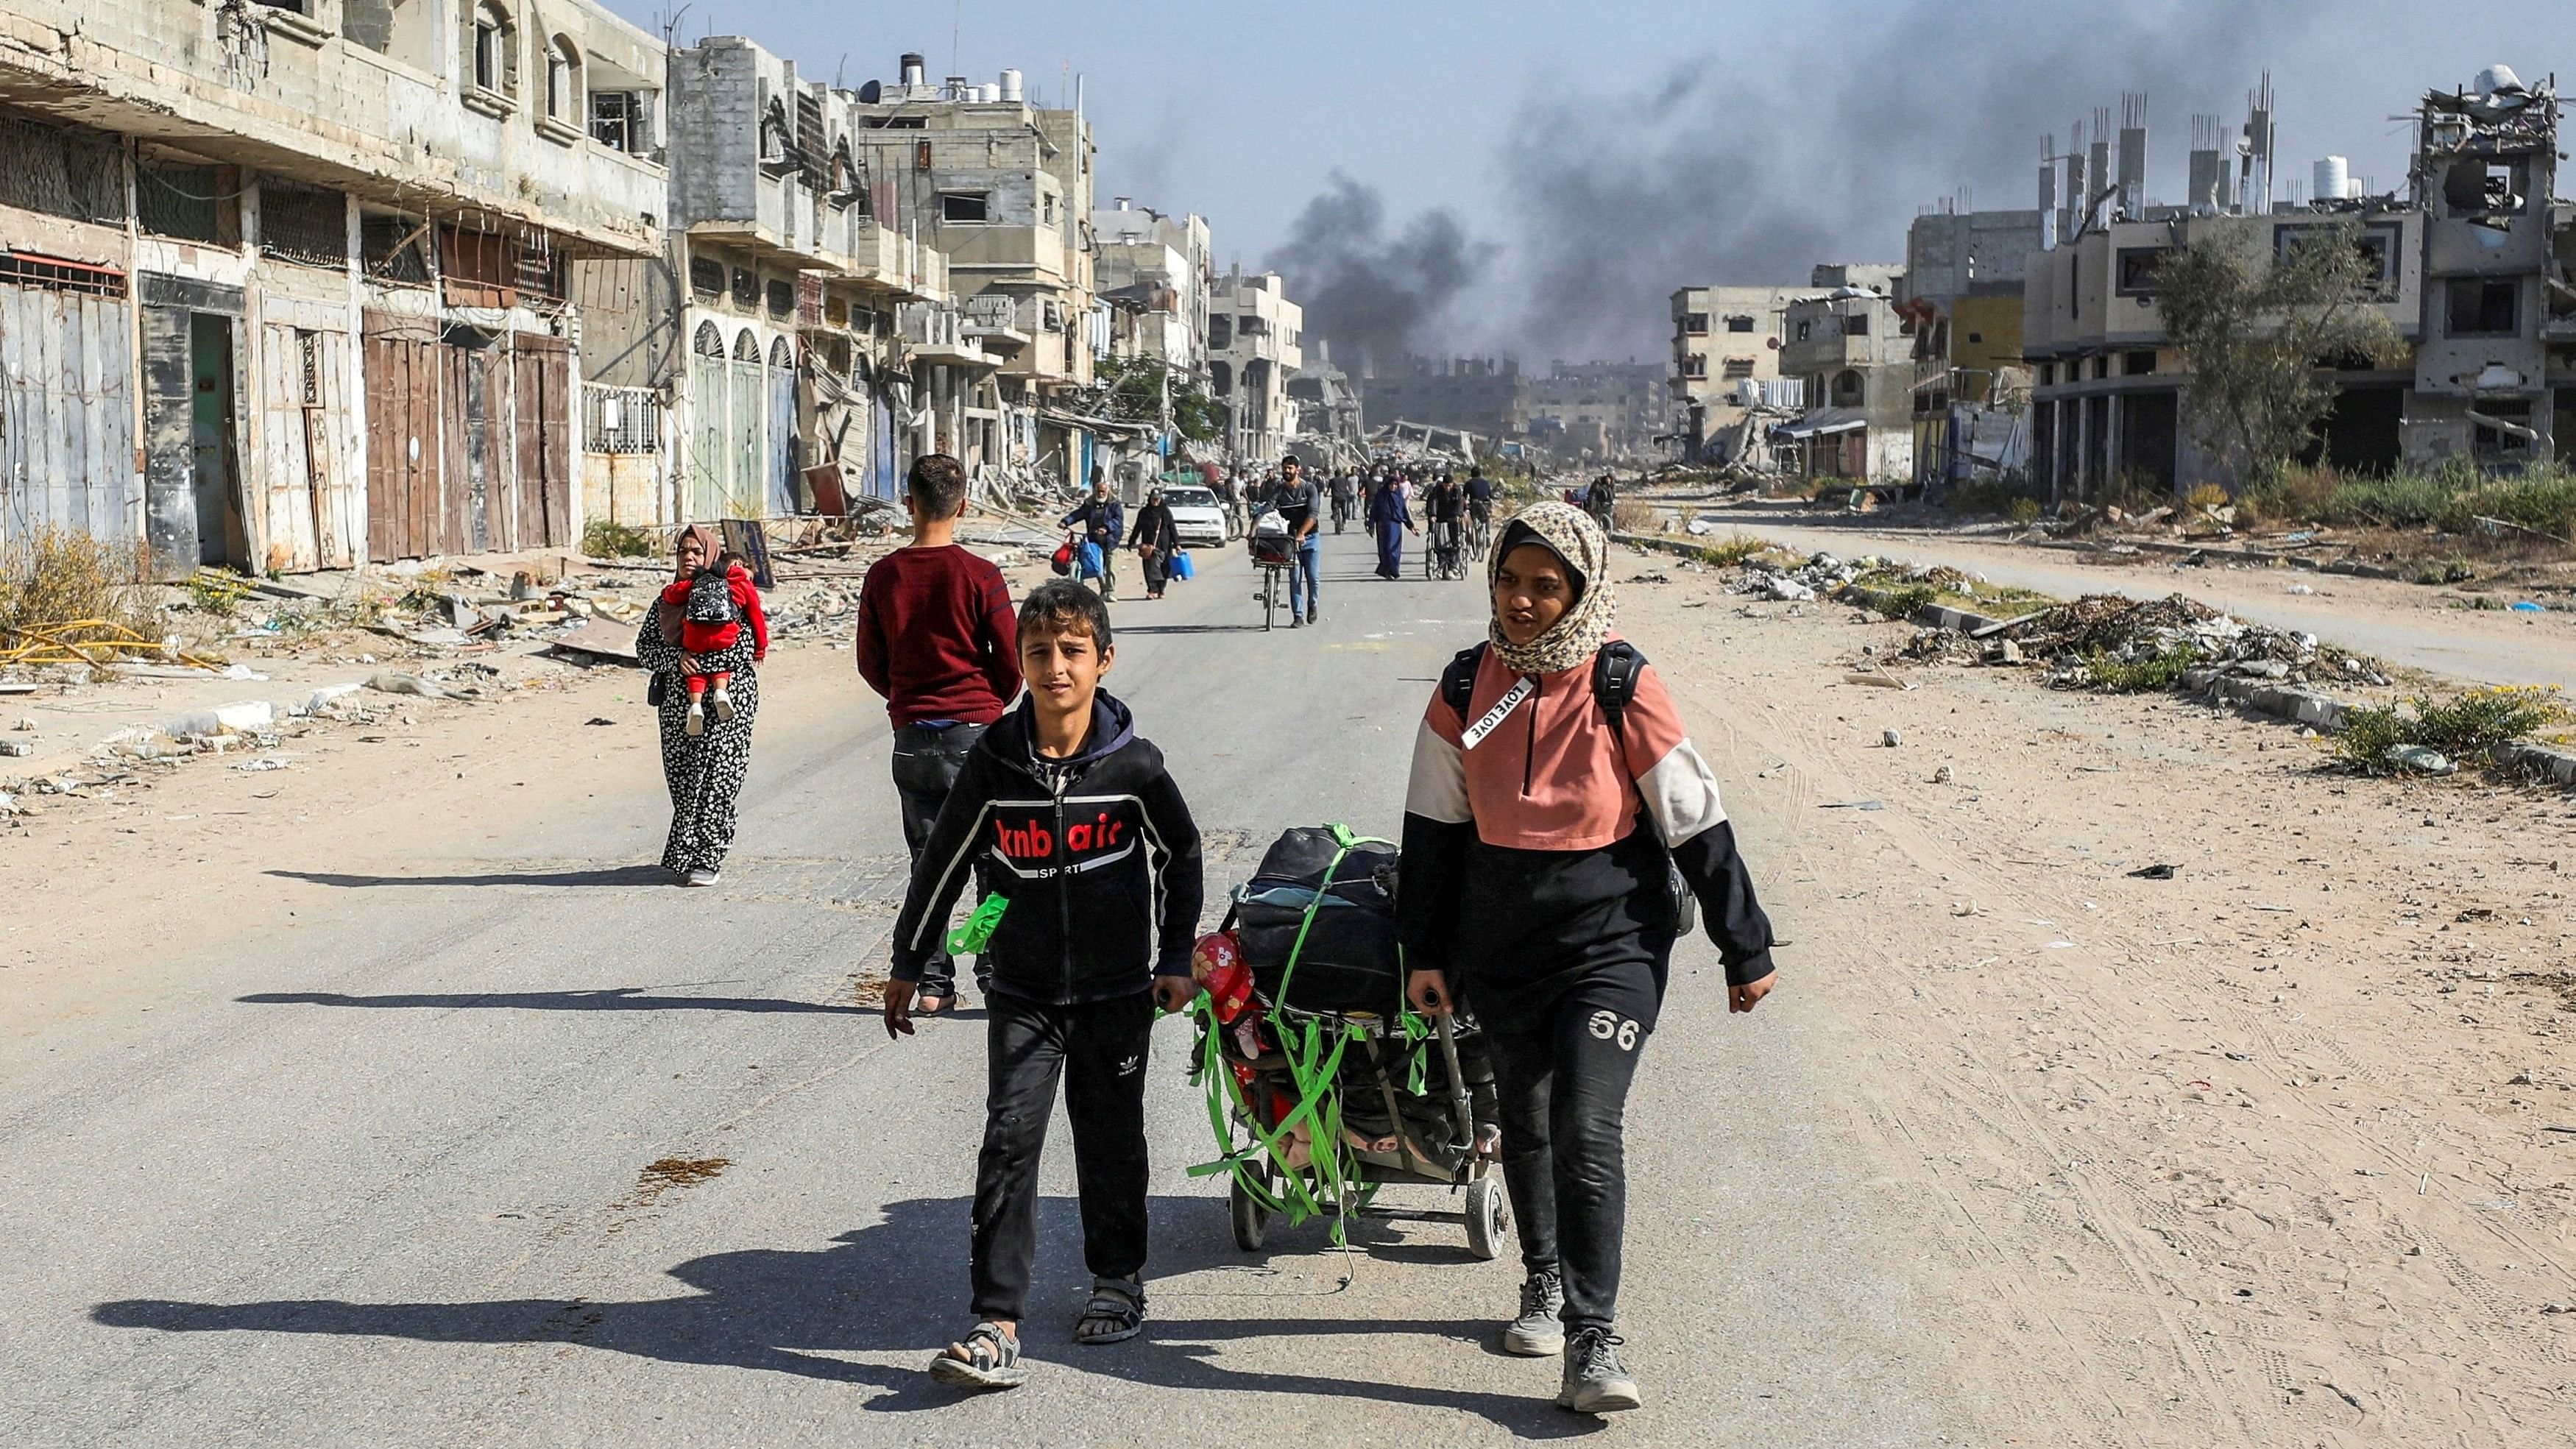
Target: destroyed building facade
293, 279
303, 284
2470, 269
1726, 368
1855, 358
1255, 344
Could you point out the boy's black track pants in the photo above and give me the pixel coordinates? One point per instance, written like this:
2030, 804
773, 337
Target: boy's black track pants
1099, 1050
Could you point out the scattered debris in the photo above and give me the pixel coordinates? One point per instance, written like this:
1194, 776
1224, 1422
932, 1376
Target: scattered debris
1853, 805
2422, 759
1941, 776
2153, 872
1890, 739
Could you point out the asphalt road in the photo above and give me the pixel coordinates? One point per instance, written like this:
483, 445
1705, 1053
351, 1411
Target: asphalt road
383, 1179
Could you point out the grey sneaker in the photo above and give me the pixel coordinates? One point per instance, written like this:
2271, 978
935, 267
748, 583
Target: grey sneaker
1538, 1332
703, 877
1595, 1383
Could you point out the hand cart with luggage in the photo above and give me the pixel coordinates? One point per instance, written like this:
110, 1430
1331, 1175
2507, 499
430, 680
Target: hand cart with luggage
1322, 1086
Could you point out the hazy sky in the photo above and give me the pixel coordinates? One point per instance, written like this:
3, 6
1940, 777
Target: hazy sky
1539, 176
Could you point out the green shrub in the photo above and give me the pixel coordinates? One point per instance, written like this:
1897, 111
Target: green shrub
58, 576
2147, 676
1731, 550
1906, 601
607, 538
2468, 728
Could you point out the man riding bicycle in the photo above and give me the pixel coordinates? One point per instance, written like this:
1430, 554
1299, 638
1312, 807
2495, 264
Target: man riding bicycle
1480, 510
1445, 505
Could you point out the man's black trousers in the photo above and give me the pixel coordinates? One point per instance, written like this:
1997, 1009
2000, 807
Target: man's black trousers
926, 763
1099, 1050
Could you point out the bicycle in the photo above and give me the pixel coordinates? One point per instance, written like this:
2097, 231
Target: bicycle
1443, 553
1480, 532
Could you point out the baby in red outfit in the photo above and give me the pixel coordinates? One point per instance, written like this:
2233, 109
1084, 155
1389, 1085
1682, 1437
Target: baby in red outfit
715, 602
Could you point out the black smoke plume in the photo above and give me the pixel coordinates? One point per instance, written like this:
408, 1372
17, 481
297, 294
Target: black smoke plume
1372, 290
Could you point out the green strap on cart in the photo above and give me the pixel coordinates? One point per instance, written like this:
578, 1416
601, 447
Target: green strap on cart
1313, 1053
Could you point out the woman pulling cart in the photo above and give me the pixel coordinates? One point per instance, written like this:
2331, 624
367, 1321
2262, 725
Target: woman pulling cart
1558, 829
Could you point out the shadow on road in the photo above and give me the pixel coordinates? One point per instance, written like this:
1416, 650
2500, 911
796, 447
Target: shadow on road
794, 1312
615, 998
613, 875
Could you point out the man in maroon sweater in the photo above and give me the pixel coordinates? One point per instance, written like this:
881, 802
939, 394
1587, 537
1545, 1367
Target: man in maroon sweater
937, 638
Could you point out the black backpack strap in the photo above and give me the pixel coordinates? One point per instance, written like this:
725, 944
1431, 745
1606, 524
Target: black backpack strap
1458, 678
1614, 680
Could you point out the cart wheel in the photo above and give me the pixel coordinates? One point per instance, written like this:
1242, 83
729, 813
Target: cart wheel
1251, 1220
1487, 1218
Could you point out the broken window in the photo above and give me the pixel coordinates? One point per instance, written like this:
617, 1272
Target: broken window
1220, 332
1694, 324
1856, 324
782, 298
1046, 208
2048, 374
563, 80
964, 205
746, 287
2137, 364
620, 120
394, 248
2377, 245
1805, 326
2478, 186
311, 227
1695, 365
61, 171
179, 201
2485, 306
1848, 388
2138, 269
1221, 375
496, 51
2503, 432
1739, 323
1738, 367
706, 277
1252, 326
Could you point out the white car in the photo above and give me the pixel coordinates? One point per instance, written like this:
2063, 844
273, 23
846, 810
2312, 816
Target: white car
1197, 516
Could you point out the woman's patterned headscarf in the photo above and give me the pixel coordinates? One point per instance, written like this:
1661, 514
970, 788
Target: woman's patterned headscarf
670, 614
1570, 534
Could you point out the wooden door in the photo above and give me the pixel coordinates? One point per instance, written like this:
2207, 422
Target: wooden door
406, 439
542, 371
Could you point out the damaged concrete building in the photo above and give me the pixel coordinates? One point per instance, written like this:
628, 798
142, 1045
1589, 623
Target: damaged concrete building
1856, 356
2470, 268
286, 285
1256, 343
1961, 300
1726, 366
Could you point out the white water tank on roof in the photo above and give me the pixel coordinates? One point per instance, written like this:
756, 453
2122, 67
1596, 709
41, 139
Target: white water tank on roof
2331, 179
2493, 79
1011, 86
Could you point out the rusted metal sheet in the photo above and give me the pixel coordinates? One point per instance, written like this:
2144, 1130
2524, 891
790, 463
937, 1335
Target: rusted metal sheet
67, 413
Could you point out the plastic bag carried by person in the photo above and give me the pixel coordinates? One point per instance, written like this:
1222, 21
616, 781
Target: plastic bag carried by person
1087, 558
1270, 524
1063, 561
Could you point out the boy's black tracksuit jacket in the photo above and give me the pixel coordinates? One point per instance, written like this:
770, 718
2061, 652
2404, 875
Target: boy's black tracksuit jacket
1097, 854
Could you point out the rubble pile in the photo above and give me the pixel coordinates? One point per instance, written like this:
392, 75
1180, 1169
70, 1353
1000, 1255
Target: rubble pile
2129, 631
1820, 574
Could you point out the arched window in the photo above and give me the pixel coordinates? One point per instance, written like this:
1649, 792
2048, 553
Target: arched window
746, 348
709, 342
780, 355
494, 55
563, 81
1847, 388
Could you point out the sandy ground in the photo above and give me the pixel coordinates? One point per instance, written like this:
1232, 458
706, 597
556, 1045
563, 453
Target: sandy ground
2276, 1152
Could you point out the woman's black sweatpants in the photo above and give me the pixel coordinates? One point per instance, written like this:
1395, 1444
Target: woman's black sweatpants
1563, 1073
1098, 1050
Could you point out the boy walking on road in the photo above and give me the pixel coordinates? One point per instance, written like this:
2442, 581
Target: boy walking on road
1068, 816
937, 639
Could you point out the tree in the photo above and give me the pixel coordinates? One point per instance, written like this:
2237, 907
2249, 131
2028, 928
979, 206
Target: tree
1133, 390
2260, 334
